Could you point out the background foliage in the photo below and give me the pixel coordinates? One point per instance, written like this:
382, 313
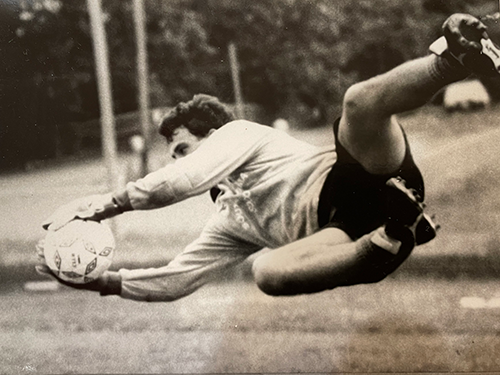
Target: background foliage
297, 58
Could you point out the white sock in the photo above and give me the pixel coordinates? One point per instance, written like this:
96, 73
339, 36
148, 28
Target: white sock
382, 240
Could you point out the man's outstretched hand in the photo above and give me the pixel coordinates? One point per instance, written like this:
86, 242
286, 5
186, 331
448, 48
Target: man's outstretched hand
43, 269
94, 207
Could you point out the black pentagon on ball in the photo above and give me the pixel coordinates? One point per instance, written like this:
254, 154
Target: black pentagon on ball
67, 241
89, 247
57, 260
91, 266
106, 251
71, 275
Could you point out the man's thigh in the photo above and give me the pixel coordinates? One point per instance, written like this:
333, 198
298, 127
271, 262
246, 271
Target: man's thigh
378, 145
353, 199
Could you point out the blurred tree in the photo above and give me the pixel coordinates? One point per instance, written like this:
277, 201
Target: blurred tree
48, 72
181, 59
44, 65
300, 56
296, 57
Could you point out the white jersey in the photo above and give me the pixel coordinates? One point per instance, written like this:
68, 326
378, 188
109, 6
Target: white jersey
270, 184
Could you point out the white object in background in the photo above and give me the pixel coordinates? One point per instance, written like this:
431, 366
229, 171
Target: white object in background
465, 96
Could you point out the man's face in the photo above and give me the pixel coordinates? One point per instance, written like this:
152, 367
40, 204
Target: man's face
183, 143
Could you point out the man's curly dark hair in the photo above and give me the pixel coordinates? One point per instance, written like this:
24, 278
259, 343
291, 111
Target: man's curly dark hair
199, 115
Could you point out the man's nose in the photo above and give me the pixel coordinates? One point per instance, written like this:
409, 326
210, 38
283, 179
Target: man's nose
173, 154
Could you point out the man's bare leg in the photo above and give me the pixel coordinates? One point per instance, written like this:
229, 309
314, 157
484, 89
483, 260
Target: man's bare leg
368, 131
329, 258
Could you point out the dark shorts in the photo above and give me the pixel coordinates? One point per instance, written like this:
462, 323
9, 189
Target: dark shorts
353, 199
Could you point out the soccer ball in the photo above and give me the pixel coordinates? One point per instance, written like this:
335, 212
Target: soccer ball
80, 251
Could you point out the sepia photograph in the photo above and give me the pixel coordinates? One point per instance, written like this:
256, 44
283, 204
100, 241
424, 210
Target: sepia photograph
264, 186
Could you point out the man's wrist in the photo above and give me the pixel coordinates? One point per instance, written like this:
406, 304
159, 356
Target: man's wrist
122, 200
110, 283
109, 205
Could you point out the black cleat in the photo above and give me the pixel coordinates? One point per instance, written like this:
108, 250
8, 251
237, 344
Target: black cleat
405, 211
465, 41
426, 230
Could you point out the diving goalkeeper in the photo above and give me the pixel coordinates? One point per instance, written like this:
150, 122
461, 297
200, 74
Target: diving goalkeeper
333, 216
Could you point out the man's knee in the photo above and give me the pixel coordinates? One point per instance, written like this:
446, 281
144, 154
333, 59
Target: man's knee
359, 104
269, 277
300, 267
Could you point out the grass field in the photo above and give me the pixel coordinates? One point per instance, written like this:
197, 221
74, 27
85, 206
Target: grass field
397, 325
414, 321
